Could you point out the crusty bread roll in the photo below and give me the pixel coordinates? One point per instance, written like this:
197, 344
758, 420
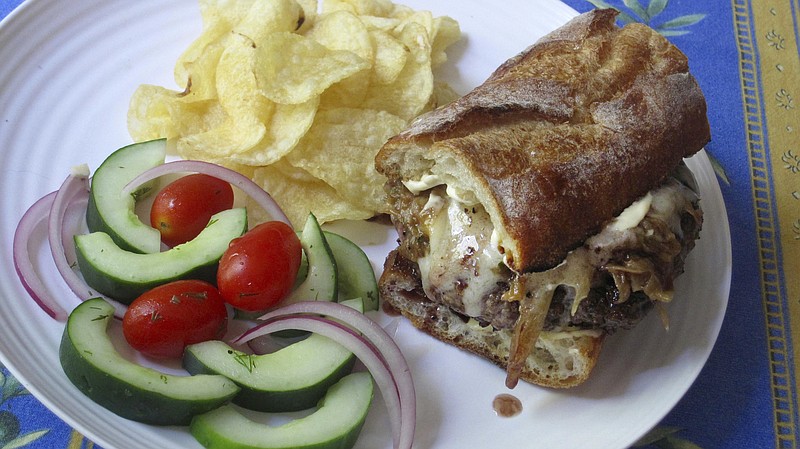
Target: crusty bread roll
592, 115
541, 158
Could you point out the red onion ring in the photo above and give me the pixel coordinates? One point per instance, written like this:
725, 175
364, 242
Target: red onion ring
371, 331
245, 184
74, 190
402, 415
26, 272
75, 187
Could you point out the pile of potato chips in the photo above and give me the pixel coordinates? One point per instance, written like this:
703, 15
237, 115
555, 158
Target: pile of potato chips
300, 96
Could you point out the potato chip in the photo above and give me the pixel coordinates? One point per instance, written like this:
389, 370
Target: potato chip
201, 56
310, 8
400, 11
329, 6
300, 96
230, 138
410, 93
446, 32
245, 110
348, 139
221, 21
442, 94
386, 24
380, 8
225, 13
424, 18
149, 113
237, 86
390, 57
267, 17
350, 92
157, 112
343, 31
298, 194
195, 69
284, 129
292, 69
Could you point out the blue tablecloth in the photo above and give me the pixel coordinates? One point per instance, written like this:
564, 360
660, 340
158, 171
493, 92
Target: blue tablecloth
744, 54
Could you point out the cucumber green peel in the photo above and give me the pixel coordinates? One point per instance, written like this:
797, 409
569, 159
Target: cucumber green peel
124, 275
290, 379
112, 212
320, 282
355, 277
93, 365
336, 424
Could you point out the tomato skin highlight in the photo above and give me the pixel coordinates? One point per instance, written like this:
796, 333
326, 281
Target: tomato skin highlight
259, 268
163, 321
183, 207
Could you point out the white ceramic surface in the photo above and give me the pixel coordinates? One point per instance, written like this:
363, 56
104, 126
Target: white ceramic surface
68, 70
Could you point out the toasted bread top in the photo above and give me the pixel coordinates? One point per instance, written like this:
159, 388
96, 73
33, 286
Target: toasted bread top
562, 137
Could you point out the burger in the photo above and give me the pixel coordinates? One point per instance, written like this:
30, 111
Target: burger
550, 206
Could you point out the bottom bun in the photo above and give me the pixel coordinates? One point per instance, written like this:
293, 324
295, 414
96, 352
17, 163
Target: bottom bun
559, 360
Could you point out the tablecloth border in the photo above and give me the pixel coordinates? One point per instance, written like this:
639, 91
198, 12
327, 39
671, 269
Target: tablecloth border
758, 32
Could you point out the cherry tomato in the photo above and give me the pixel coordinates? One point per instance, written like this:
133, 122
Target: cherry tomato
259, 268
163, 321
183, 208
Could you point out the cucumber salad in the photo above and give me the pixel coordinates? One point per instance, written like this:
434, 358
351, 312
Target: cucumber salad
175, 276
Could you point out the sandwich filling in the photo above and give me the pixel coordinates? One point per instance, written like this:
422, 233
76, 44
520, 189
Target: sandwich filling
609, 282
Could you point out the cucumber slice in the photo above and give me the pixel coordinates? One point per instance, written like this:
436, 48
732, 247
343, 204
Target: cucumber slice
355, 276
291, 379
124, 275
91, 362
320, 283
113, 213
336, 424
354, 273
355, 303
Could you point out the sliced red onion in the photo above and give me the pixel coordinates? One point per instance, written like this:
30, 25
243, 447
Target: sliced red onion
72, 197
400, 403
26, 272
74, 223
371, 330
253, 190
74, 188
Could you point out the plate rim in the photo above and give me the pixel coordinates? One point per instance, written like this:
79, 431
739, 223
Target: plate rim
26, 7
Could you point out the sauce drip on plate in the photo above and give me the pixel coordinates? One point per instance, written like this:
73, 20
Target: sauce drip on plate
506, 405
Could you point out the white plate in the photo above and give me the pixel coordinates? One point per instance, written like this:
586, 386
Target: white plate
68, 71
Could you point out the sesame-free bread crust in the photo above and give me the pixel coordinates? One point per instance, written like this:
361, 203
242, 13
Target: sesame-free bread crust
562, 137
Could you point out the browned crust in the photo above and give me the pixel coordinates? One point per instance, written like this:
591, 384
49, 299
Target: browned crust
401, 294
565, 135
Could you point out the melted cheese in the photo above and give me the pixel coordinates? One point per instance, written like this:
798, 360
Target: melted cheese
430, 180
461, 261
575, 272
633, 214
458, 231
427, 181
